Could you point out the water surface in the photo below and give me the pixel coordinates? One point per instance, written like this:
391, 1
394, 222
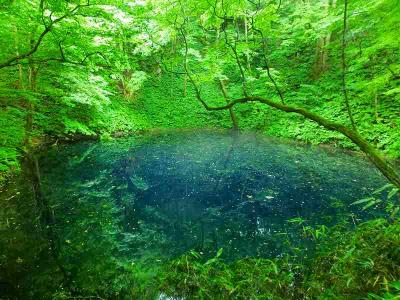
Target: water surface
173, 192
150, 198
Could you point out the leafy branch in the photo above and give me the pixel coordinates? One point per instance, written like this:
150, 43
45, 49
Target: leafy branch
47, 28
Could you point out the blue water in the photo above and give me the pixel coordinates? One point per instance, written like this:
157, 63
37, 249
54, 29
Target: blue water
161, 195
101, 216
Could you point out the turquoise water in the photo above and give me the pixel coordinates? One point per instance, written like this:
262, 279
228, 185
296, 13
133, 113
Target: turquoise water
106, 208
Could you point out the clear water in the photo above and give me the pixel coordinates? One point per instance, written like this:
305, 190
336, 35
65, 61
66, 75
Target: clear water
204, 190
153, 197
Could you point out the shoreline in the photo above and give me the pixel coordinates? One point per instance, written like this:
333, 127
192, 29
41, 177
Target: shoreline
45, 142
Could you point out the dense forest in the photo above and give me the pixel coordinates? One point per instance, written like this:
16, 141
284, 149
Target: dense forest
83, 82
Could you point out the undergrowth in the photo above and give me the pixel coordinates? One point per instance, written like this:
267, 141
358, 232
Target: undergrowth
359, 264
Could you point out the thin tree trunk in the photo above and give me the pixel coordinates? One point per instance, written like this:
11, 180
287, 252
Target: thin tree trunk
321, 52
234, 50
185, 78
344, 67
376, 106
317, 70
237, 29
266, 62
185, 86
20, 70
32, 72
246, 38
226, 97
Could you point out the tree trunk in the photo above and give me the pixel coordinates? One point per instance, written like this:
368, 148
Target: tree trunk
217, 35
226, 97
321, 52
246, 38
344, 68
376, 107
20, 70
185, 86
185, 78
32, 77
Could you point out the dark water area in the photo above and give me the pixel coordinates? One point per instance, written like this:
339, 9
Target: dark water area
147, 199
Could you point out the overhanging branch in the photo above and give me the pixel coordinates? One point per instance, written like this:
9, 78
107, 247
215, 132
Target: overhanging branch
384, 167
47, 29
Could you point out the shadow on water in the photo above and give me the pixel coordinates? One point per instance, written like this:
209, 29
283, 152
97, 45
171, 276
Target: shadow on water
87, 215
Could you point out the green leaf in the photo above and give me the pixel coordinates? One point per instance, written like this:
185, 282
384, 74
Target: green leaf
392, 193
219, 253
363, 200
386, 186
372, 203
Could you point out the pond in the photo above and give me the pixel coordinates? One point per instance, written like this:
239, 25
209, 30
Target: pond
106, 207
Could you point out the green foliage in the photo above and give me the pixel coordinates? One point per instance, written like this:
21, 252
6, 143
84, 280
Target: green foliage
112, 68
391, 202
191, 276
11, 136
346, 265
356, 264
163, 99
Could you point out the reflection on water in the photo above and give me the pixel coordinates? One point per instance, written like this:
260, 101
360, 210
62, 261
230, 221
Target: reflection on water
146, 199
